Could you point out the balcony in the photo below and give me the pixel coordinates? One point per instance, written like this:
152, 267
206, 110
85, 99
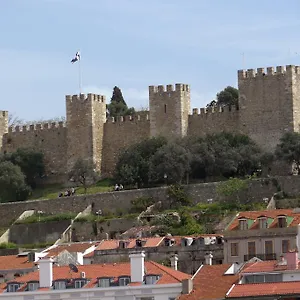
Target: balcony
269, 256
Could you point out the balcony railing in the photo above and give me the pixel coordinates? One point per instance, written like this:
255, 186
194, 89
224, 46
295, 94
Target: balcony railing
269, 256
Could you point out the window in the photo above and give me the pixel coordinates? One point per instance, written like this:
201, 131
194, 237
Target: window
234, 249
263, 278
59, 285
124, 281
285, 245
79, 284
33, 286
104, 282
165, 108
243, 225
263, 223
268, 247
151, 279
145, 298
13, 287
282, 222
251, 248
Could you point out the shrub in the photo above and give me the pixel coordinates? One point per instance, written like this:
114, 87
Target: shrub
140, 204
8, 246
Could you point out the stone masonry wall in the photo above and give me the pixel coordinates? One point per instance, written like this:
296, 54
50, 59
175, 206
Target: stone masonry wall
213, 120
22, 234
267, 103
48, 138
114, 201
120, 134
169, 110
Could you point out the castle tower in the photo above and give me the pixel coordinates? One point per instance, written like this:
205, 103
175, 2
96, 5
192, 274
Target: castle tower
269, 103
3, 126
85, 118
169, 110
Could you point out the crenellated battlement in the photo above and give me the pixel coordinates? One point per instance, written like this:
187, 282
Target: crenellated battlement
84, 97
37, 127
3, 114
121, 119
269, 71
204, 111
179, 87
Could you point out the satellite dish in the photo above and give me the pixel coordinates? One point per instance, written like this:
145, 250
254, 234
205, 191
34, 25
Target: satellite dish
73, 268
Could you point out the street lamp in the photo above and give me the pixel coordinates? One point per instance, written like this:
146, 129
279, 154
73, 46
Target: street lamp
165, 178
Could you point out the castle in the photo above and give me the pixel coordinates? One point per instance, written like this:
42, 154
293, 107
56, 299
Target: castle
269, 106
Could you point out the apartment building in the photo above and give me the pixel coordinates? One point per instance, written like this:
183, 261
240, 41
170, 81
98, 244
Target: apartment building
264, 234
136, 280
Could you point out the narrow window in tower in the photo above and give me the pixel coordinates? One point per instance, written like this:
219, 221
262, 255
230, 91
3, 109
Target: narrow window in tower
165, 108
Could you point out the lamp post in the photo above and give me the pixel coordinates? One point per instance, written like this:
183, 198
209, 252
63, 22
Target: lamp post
166, 178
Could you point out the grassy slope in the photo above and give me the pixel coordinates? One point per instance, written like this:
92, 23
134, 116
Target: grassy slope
52, 191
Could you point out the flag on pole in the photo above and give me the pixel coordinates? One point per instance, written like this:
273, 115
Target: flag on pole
76, 58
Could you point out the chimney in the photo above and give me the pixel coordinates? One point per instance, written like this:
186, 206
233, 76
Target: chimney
174, 260
187, 286
46, 272
208, 258
292, 259
137, 266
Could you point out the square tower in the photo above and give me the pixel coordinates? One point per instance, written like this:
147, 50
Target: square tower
269, 102
85, 118
169, 110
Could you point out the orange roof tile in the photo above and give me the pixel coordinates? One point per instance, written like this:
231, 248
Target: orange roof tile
211, 283
273, 214
264, 266
13, 262
115, 270
265, 289
114, 244
72, 247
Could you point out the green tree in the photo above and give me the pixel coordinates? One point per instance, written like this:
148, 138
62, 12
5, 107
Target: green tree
12, 183
31, 163
118, 106
133, 163
289, 148
227, 97
171, 160
81, 172
232, 188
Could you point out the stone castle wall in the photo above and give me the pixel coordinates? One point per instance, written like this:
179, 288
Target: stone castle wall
269, 103
51, 139
269, 106
114, 201
120, 134
213, 119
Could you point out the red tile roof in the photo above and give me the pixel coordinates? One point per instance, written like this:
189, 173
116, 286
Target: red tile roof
265, 266
114, 244
13, 262
273, 214
72, 247
265, 289
115, 270
211, 283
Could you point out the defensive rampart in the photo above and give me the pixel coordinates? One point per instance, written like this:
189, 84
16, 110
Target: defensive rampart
48, 138
257, 190
213, 120
120, 133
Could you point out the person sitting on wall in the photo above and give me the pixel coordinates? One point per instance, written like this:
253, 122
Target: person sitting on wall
117, 188
72, 191
121, 187
60, 194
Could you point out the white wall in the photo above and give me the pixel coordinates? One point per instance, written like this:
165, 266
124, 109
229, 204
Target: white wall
159, 292
260, 246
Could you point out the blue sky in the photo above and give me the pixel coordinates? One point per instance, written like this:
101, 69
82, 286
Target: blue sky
134, 44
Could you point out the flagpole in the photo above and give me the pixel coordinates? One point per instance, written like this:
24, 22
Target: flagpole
79, 74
